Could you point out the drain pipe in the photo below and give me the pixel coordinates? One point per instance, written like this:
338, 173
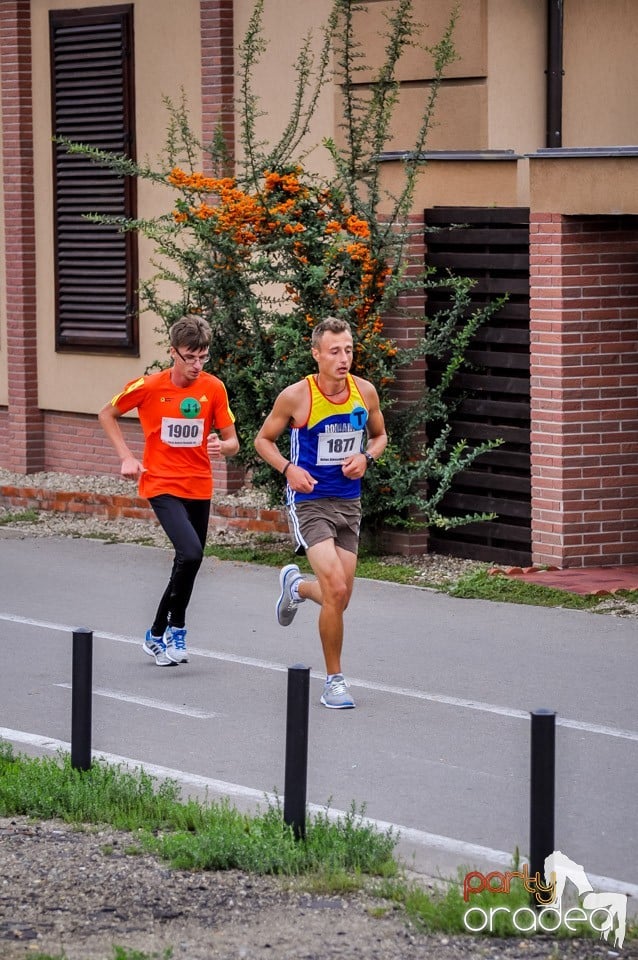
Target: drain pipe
554, 132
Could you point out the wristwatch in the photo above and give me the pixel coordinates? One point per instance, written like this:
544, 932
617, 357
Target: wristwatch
370, 461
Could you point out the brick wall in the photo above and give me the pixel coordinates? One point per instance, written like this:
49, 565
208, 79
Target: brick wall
228, 514
584, 390
4, 437
24, 423
75, 443
218, 112
218, 71
410, 383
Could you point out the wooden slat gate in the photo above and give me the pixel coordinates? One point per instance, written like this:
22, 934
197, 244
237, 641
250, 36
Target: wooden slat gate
492, 247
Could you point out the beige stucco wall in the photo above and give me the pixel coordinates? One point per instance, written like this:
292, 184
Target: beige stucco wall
461, 113
459, 121
516, 89
432, 18
590, 185
492, 96
461, 183
601, 73
286, 24
167, 57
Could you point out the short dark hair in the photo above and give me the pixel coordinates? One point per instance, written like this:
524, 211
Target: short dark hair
329, 325
191, 332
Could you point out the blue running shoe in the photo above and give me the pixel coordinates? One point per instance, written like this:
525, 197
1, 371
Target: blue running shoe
176, 644
155, 647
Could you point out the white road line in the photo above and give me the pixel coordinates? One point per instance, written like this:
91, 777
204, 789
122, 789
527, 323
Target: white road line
494, 708
463, 703
468, 852
147, 702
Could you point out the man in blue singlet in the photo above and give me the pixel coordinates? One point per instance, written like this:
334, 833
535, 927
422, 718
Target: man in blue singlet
336, 434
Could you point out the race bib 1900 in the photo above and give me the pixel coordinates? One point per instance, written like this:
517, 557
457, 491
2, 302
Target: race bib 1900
177, 432
337, 447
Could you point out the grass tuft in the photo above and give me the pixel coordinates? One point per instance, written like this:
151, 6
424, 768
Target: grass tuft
190, 834
369, 566
482, 585
23, 516
338, 856
477, 585
119, 953
442, 910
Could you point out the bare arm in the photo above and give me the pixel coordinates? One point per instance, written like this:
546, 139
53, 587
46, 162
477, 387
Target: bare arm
286, 409
225, 443
357, 465
130, 468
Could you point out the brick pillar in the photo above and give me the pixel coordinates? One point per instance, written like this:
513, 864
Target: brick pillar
25, 448
405, 325
218, 71
584, 390
218, 113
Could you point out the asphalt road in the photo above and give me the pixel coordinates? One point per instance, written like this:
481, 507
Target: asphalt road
439, 744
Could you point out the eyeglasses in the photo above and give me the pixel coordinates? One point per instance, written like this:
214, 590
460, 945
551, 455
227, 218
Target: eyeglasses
193, 358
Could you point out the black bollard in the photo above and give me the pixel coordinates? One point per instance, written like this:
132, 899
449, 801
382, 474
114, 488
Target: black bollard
542, 790
81, 696
296, 773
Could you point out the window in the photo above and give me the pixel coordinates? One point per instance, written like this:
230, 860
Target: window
92, 103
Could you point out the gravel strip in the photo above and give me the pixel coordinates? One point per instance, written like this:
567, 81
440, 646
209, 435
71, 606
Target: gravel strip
80, 893
121, 530
97, 483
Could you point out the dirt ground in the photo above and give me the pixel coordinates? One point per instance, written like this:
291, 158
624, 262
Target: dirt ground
79, 894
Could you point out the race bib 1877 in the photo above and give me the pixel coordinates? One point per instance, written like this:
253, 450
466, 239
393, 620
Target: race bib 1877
337, 447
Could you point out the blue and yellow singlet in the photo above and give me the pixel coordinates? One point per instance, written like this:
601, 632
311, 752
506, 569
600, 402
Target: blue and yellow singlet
332, 433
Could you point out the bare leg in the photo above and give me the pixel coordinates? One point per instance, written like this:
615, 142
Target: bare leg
334, 569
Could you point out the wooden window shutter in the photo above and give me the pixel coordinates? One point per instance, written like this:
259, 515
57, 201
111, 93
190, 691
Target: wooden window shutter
93, 103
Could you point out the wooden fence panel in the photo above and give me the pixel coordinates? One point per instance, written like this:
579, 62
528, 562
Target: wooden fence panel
492, 247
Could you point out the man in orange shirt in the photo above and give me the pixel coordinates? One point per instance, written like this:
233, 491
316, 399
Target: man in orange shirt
186, 420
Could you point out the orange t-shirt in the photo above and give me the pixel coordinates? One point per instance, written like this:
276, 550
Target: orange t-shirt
176, 422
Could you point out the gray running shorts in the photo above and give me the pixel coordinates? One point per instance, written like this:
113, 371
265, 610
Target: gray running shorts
329, 518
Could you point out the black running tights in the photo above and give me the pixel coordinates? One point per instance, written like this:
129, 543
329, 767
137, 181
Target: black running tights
185, 523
